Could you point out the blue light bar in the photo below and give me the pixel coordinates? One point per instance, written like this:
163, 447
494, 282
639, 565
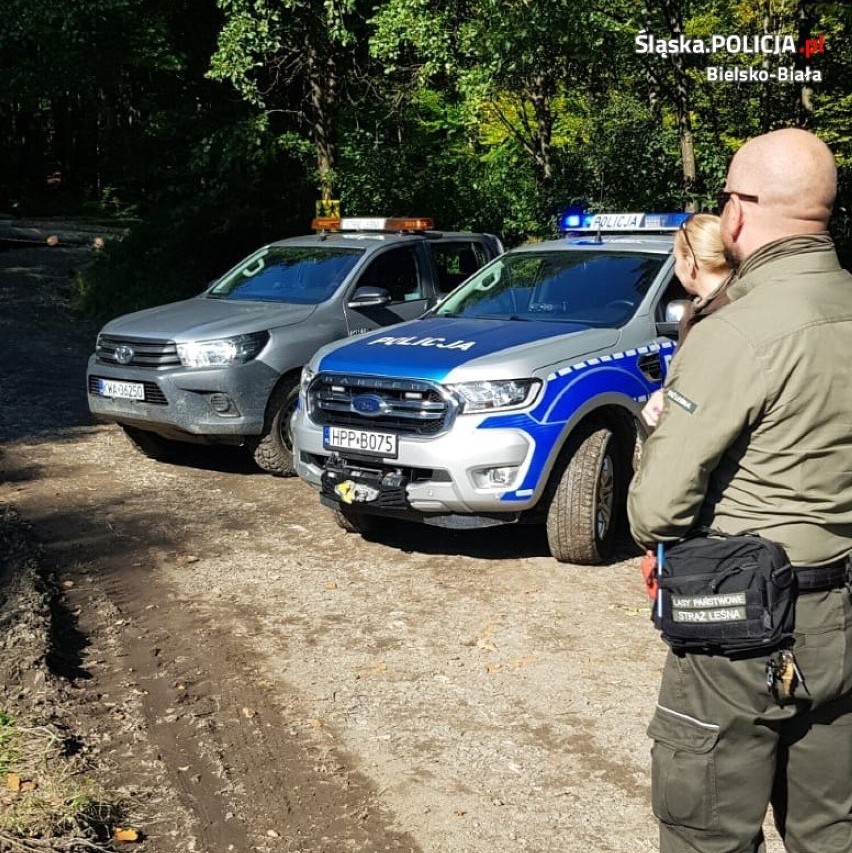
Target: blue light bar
624, 222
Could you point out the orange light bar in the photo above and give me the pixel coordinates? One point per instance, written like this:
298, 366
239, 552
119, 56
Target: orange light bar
409, 223
379, 223
326, 223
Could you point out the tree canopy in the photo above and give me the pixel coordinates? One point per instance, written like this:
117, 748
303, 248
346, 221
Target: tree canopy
215, 125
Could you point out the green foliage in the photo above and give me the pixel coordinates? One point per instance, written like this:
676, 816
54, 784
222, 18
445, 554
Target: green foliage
218, 123
239, 191
8, 743
65, 810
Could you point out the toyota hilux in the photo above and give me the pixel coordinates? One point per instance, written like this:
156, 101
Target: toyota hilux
223, 367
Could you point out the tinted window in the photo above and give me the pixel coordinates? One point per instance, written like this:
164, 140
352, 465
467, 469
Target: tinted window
592, 288
305, 275
396, 271
456, 262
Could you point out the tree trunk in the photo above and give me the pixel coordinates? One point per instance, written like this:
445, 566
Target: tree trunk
539, 94
322, 83
655, 101
765, 88
674, 17
806, 16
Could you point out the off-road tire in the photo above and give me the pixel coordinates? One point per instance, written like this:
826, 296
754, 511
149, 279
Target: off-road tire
152, 445
273, 451
354, 522
582, 516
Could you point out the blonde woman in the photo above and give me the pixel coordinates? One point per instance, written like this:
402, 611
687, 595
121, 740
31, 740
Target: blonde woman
704, 272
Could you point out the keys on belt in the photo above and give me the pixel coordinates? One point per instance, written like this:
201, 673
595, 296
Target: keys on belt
783, 676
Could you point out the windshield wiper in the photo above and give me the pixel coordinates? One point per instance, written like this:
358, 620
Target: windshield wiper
500, 317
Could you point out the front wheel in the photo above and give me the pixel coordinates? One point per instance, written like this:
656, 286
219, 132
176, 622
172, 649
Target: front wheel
581, 518
273, 451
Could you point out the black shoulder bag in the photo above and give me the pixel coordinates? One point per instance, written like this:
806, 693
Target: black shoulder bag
723, 594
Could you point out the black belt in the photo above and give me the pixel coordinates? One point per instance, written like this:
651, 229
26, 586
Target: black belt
823, 578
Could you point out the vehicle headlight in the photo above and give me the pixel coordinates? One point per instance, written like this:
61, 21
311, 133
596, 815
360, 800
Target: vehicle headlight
307, 375
222, 351
495, 394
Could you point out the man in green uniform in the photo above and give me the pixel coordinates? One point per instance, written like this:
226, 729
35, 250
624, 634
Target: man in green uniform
756, 435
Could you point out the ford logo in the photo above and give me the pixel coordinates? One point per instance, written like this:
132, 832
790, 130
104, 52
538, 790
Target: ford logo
369, 404
124, 354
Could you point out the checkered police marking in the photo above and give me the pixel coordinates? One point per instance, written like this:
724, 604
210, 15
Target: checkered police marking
661, 347
616, 374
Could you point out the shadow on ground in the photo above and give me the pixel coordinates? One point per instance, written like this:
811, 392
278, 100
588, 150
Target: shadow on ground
503, 542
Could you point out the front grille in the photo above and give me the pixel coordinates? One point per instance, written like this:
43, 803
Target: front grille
153, 393
407, 406
147, 352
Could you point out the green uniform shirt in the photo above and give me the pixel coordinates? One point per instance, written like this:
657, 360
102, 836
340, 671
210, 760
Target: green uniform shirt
756, 428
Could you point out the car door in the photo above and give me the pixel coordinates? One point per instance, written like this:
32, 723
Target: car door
455, 261
402, 272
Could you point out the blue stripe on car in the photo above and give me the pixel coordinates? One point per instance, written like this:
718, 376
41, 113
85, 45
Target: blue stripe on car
566, 392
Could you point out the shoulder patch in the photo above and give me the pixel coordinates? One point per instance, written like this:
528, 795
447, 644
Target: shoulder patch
678, 398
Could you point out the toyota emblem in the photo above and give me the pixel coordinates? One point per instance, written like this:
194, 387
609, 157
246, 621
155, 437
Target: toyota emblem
124, 354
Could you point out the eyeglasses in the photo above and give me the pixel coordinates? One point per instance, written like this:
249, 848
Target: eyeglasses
723, 197
686, 237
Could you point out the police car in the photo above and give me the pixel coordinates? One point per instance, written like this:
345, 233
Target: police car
516, 399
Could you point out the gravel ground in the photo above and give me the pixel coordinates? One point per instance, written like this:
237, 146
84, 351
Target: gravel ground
286, 686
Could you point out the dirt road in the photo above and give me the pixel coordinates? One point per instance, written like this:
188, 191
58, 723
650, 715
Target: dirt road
256, 679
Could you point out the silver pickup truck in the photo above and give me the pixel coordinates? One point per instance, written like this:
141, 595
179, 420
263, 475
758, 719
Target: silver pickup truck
223, 367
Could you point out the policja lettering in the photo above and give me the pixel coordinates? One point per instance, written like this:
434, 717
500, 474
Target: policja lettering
765, 44
438, 343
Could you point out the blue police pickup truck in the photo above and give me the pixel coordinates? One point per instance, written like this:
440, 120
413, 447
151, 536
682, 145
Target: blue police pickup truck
516, 399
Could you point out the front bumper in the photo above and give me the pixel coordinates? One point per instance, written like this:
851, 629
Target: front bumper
179, 401
436, 473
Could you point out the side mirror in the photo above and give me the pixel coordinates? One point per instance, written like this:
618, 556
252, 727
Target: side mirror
369, 297
673, 315
675, 310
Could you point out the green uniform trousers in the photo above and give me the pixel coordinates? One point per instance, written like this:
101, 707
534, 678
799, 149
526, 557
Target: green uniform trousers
724, 748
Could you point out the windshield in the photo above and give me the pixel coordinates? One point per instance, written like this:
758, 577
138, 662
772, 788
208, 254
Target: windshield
304, 275
595, 288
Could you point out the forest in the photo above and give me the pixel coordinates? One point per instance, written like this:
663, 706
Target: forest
209, 127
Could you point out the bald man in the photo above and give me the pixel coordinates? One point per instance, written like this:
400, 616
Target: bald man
756, 435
